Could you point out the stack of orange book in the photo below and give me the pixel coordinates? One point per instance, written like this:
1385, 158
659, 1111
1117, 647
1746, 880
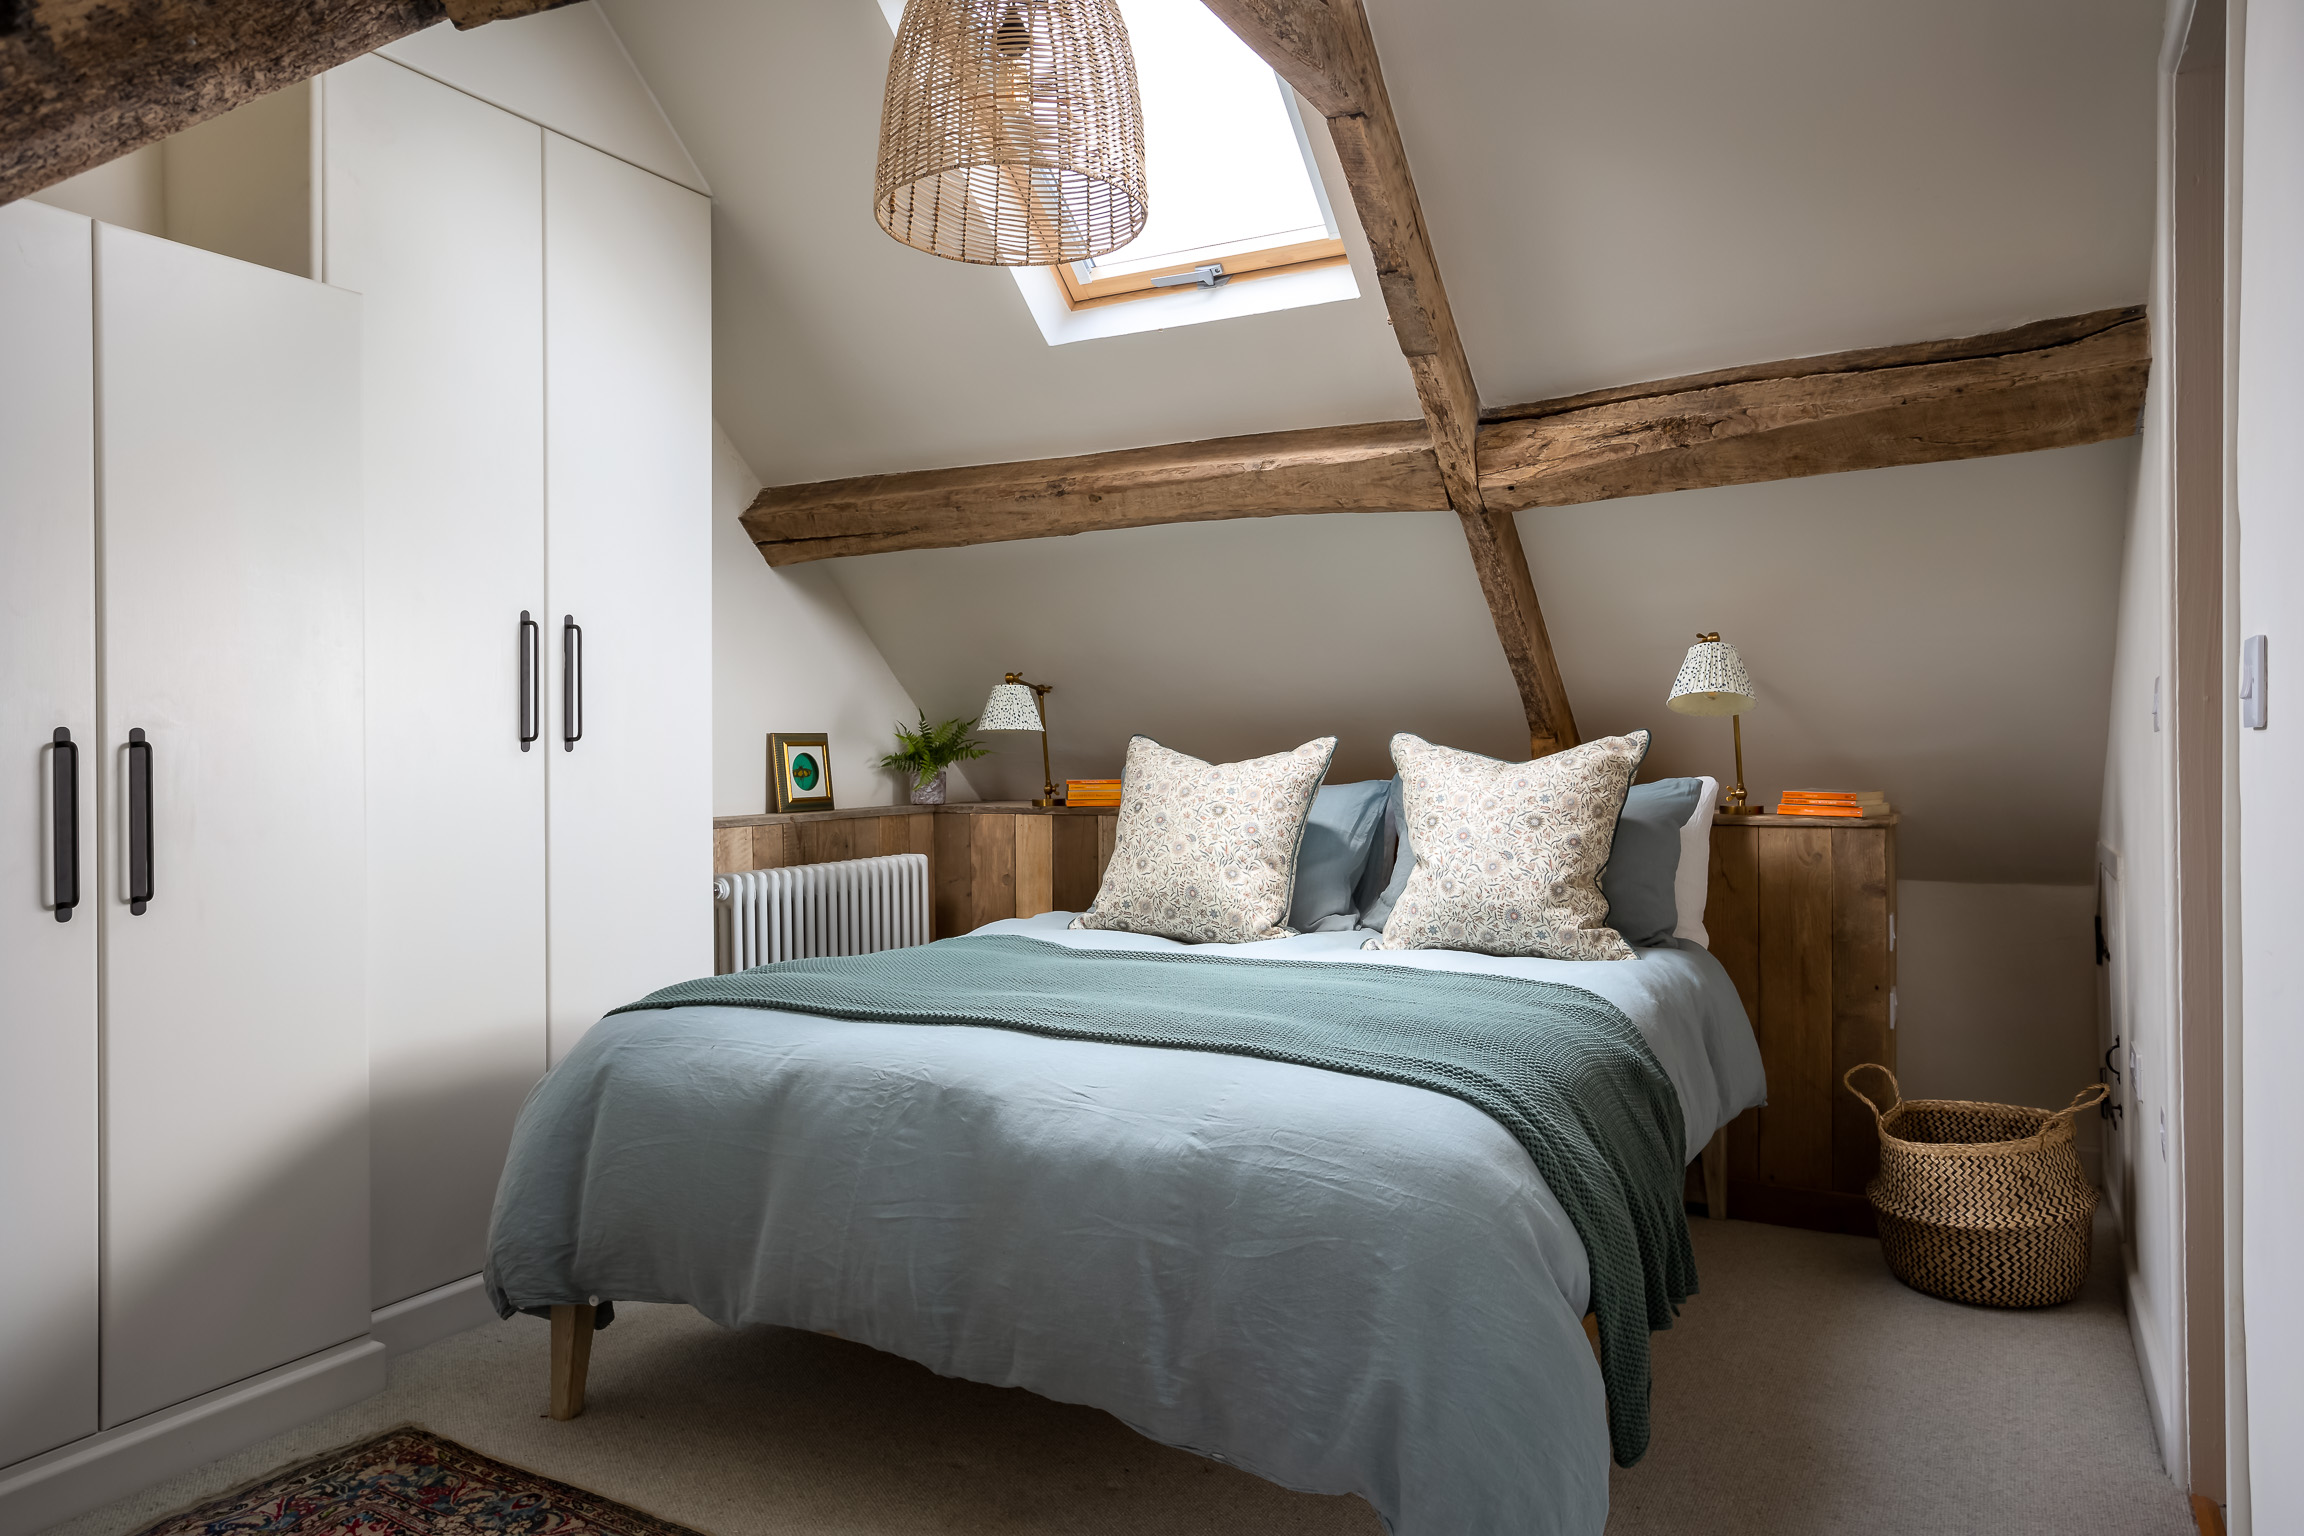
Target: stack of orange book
1099, 792
1845, 804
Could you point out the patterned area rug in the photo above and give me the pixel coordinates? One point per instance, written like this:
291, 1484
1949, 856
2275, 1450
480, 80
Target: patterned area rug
410, 1483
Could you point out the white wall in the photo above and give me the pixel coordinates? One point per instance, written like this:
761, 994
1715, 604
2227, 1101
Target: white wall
131, 191
239, 185
1996, 995
2271, 566
2134, 874
788, 655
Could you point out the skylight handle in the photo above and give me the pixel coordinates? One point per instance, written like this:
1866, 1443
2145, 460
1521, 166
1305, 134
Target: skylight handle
1207, 275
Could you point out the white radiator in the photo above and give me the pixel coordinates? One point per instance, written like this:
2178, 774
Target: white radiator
853, 907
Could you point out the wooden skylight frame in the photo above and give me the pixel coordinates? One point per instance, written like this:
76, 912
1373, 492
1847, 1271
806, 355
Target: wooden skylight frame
1271, 261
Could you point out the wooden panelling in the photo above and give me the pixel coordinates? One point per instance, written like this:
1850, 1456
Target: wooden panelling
1860, 897
1075, 861
1800, 917
992, 869
1732, 921
1035, 865
951, 870
1796, 1007
827, 842
731, 850
1107, 837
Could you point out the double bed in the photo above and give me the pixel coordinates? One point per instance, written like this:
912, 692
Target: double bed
1337, 1282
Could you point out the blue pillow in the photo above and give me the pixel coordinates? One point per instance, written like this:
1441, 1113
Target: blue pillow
1386, 880
1645, 857
1342, 832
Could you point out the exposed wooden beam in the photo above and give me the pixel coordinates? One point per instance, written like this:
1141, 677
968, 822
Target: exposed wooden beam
1381, 467
82, 83
1324, 49
2054, 384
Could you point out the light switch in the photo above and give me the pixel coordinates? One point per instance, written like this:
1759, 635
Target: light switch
2252, 683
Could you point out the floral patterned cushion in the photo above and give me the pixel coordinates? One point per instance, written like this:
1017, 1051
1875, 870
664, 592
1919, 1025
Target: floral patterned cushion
1206, 852
1508, 855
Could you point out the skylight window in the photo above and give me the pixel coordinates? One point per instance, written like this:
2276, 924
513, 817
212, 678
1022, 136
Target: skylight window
1231, 178
1233, 184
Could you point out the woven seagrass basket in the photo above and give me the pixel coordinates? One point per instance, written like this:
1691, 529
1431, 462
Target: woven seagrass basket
1982, 1203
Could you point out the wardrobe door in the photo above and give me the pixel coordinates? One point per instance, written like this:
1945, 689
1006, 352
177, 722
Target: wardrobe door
436, 217
47, 858
235, 1054
628, 465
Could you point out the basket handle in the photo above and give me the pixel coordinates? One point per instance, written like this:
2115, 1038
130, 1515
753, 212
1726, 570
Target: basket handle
2083, 1101
1894, 1091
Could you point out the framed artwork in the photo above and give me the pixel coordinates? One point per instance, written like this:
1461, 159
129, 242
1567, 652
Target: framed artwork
799, 771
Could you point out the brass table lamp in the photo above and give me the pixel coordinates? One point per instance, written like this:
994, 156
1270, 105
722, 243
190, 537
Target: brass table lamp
1713, 681
1016, 705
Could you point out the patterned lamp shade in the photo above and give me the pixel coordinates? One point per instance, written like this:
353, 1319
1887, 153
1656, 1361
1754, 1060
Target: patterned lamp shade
1012, 134
1712, 681
1011, 708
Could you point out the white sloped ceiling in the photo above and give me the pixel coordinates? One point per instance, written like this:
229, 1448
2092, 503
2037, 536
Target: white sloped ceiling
1617, 190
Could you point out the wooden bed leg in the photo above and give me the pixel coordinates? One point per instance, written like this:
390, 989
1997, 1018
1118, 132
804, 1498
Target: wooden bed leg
1715, 1159
571, 1357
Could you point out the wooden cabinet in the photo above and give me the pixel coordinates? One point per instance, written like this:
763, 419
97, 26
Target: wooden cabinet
987, 860
1803, 916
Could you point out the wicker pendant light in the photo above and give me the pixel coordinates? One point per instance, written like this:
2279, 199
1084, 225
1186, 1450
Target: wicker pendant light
1012, 134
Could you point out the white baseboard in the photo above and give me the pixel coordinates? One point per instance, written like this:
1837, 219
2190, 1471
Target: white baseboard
75, 1478
432, 1315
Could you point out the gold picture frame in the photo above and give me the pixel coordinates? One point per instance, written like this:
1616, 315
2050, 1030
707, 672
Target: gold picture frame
799, 771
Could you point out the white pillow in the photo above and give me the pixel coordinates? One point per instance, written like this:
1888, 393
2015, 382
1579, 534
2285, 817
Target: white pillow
1692, 881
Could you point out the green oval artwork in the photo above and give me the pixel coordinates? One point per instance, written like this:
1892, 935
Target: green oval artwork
804, 772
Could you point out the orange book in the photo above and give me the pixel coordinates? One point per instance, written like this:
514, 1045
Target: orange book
1836, 812
1836, 796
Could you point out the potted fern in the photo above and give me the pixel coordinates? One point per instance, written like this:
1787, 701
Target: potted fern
924, 754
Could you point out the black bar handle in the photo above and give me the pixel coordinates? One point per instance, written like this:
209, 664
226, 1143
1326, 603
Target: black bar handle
571, 682
64, 807
531, 686
139, 821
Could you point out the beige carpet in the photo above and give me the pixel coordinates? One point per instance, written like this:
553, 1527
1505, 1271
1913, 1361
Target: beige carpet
1803, 1391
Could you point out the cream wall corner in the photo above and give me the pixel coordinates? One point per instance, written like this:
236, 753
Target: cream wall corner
1996, 995
789, 655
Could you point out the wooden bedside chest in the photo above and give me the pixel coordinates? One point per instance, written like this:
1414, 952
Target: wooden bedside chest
1802, 912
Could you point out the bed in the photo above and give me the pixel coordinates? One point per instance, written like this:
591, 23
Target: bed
1339, 1283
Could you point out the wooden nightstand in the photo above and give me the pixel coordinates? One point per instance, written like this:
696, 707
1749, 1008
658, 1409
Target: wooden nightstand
1803, 915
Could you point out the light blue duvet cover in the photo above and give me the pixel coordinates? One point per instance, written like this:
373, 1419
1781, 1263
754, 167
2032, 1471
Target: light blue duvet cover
1339, 1283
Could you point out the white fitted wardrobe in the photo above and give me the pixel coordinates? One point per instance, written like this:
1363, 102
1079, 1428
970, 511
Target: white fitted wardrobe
184, 1091
538, 455
401, 847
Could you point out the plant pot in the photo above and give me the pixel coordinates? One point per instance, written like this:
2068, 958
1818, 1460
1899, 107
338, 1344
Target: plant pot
930, 793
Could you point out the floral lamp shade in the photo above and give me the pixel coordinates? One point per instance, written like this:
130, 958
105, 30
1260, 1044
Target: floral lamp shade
1712, 681
1011, 708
